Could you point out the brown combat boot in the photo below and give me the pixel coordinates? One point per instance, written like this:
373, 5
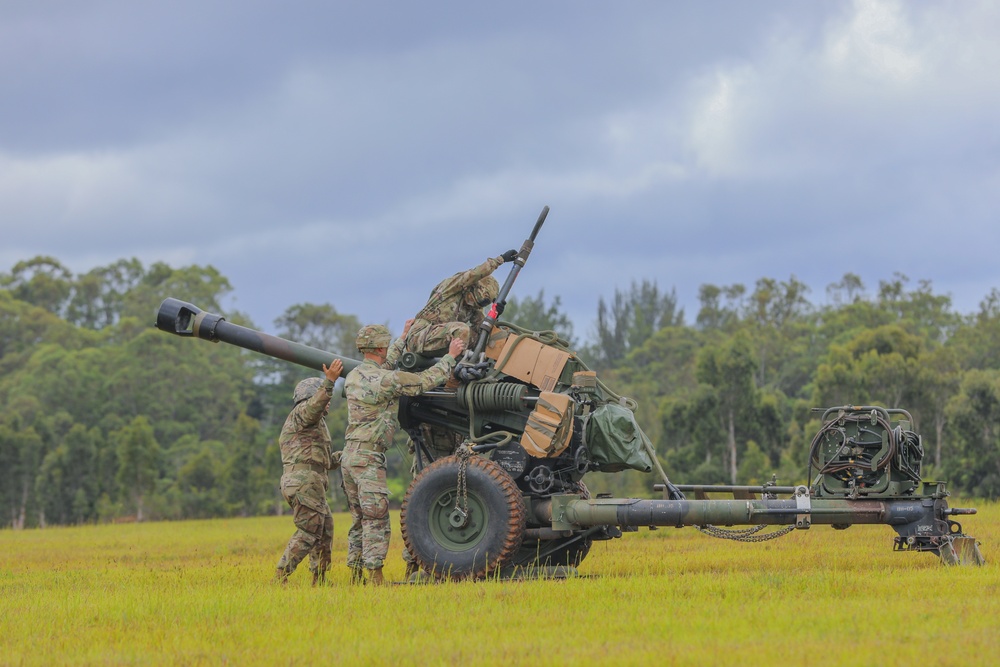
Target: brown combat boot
319, 578
411, 569
377, 579
358, 576
280, 577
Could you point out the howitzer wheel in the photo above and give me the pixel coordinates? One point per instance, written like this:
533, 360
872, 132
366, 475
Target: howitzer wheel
442, 544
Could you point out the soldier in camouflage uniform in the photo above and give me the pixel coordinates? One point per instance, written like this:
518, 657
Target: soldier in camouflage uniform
453, 310
455, 307
307, 457
373, 392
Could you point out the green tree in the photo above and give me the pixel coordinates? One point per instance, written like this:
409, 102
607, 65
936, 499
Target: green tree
23, 327
729, 370
694, 435
533, 314
974, 415
41, 281
975, 341
320, 326
881, 366
181, 386
720, 307
920, 311
99, 295
138, 462
630, 320
22, 450
67, 481
939, 379
203, 286
777, 316
244, 478
199, 486
755, 466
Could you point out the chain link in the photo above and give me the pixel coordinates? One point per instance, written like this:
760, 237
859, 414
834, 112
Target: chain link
464, 453
744, 535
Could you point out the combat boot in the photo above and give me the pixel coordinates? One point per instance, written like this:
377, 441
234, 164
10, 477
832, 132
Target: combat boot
319, 578
411, 569
358, 576
280, 576
376, 575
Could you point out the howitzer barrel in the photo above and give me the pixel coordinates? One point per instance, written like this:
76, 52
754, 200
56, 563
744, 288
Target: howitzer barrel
184, 319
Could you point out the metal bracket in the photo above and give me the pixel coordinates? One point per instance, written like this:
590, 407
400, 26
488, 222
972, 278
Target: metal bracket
803, 503
559, 503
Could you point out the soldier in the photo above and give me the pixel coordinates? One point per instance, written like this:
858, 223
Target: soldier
307, 457
373, 392
455, 307
453, 310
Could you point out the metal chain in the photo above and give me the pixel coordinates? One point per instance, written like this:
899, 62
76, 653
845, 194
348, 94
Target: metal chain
744, 535
464, 453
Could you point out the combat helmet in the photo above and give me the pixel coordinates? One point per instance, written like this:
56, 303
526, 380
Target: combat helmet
486, 290
372, 337
306, 389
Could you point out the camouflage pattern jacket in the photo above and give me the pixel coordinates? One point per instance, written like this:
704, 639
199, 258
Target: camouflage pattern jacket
305, 437
373, 393
446, 304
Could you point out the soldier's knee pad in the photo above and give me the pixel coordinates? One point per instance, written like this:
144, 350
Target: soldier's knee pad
310, 522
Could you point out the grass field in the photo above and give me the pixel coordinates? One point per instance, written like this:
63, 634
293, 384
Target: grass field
199, 592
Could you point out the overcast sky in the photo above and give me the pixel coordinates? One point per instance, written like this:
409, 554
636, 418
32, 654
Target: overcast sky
357, 153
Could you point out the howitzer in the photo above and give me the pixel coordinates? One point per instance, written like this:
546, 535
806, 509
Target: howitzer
512, 497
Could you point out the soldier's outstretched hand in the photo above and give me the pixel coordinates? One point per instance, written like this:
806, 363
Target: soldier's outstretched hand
333, 371
406, 328
456, 347
510, 255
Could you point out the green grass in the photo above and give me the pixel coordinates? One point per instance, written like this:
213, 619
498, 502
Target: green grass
199, 592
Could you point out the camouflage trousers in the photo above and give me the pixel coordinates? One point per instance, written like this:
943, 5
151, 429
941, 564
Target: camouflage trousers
431, 340
368, 499
438, 442
305, 493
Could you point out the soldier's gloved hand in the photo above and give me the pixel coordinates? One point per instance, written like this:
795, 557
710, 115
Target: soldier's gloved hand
335, 460
500, 306
510, 255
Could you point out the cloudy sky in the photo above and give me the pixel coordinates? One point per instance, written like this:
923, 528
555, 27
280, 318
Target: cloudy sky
357, 153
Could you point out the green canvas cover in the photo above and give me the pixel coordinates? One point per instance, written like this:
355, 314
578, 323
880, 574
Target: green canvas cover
615, 441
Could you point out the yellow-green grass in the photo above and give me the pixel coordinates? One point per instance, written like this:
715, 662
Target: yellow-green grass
199, 592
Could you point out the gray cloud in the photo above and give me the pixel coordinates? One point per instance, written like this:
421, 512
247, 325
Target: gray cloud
357, 154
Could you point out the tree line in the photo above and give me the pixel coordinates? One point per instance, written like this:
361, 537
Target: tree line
104, 418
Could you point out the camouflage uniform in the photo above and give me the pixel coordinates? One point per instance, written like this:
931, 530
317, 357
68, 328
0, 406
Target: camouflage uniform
373, 393
306, 456
446, 314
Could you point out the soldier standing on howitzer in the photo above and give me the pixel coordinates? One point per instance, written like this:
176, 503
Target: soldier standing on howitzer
307, 457
373, 392
455, 308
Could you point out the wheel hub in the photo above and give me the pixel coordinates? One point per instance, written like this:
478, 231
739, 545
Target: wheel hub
452, 527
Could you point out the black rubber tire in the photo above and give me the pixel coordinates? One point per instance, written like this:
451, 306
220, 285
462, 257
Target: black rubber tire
489, 540
566, 552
